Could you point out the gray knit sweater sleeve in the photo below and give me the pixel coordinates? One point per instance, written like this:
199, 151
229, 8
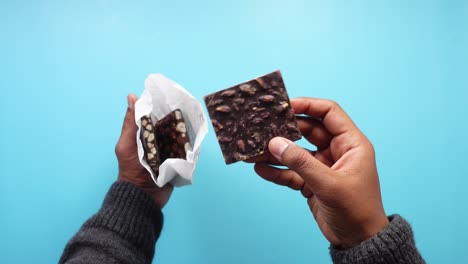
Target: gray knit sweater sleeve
124, 230
394, 244
128, 224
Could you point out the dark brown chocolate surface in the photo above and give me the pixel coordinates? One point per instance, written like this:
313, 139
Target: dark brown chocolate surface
246, 116
171, 136
148, 139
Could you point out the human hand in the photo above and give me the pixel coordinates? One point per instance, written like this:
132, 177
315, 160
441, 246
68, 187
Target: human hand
130, 169
339, 180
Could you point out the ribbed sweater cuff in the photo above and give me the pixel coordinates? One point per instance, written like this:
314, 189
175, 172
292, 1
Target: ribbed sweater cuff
394, 244
130, 213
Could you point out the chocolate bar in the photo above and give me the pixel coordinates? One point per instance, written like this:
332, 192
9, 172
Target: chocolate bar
148, 139
172, 137
246, 116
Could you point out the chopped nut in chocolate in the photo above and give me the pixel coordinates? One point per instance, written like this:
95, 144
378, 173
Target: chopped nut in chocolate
171, 136
246, 116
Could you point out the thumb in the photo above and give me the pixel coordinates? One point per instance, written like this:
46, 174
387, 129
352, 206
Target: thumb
129, 127
315, 173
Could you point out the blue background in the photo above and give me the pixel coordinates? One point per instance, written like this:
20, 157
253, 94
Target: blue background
399, 68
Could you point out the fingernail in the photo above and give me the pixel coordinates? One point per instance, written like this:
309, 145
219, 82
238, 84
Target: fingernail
129, 102
277, 146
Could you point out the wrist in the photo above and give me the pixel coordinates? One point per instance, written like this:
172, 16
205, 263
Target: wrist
142, 185
368, 229
393, 244
160, 196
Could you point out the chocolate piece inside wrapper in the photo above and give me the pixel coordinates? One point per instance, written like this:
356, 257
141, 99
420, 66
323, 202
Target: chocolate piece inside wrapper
167, 139
148, 139
172, 138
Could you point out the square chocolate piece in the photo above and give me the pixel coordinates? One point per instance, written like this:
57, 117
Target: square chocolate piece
246, 116
171, 136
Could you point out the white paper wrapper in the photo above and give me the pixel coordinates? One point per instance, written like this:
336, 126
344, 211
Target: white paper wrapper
160, 97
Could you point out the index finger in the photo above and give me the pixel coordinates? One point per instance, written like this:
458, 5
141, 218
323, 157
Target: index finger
333, 117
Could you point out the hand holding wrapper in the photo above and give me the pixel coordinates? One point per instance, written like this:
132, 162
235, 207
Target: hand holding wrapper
160, 97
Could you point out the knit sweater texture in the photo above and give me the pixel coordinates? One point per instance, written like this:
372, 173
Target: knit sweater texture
124, 230
394, 244
128, 225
